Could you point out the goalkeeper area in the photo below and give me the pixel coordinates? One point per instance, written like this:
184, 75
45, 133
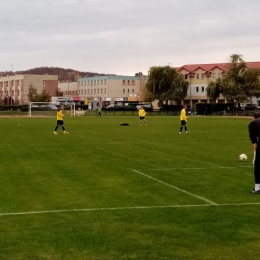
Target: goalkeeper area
139, 192
50, 108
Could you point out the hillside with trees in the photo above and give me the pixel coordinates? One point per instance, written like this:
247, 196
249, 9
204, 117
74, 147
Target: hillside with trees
63, 74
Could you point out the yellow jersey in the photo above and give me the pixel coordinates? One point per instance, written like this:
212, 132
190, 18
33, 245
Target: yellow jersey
59, 114
141, 112
183, 115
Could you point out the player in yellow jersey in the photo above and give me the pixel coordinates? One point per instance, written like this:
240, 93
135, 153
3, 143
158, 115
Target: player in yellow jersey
183, 119
142, 116
60, 121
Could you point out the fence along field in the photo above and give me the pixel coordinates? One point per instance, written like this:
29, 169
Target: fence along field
112, 192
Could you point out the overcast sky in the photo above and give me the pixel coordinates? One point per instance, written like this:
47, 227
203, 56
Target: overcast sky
126, 36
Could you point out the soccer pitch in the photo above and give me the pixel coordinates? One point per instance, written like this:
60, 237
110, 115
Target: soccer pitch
107, 191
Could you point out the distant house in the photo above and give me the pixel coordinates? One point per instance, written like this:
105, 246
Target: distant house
112, 88
16, 87
199, 75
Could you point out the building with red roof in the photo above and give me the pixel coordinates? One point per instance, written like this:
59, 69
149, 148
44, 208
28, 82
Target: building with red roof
199, 75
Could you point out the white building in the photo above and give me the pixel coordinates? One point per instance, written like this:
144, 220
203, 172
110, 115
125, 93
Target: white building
112, 88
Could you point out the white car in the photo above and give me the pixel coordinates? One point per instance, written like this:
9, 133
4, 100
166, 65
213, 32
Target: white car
144, 106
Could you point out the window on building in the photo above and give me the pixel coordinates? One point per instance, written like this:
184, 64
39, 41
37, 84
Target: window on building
91, 82
214, 75
123, 82
94, 82
102, 91
82, 92
94, 91
128, 91
79, 92
88, 91
85, 92
101, 81
133, 82
105, 91
186, 76
123, 91
133, 91
197, 75
44, 82
202, 89
197, 89
128, 82
91, 91
202, 75
98, 91
105, 81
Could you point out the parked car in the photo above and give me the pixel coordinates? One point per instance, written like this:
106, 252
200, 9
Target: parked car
250, 107
44, 107
120, 108
147, 107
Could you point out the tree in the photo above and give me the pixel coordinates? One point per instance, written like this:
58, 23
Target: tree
178, 89
214, 89
32, 92
33, 96
148, 96
166, 84
240, 83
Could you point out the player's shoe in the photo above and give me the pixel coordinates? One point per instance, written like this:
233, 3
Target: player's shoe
55, 133
255, 191
179, 133
65, 132
187, 133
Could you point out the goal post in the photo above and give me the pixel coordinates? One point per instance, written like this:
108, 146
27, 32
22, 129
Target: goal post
50, 108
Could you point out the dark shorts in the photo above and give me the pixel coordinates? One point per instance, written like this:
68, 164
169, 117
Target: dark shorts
142, 118
60, 122
183, 123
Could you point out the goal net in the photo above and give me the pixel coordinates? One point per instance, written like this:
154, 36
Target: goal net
50, 108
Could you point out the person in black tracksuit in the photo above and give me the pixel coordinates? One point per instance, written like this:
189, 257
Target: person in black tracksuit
254, 135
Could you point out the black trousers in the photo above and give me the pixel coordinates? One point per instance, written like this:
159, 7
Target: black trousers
257, 165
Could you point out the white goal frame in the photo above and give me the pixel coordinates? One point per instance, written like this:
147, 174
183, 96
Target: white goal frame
57, 104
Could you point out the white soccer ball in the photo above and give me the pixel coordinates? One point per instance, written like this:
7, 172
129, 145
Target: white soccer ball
242, 157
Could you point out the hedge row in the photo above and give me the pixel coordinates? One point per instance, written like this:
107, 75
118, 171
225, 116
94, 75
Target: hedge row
208, 108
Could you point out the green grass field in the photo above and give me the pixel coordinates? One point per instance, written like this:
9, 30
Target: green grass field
139, 192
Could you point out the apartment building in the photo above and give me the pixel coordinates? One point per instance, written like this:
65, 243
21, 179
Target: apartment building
68, 89
17, 86
199, 75
112, 88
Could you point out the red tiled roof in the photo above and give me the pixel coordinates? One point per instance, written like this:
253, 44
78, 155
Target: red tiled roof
208, 67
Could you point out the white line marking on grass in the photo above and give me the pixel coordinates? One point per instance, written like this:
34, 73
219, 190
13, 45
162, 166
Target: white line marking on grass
125, 208
176, 188
198, 168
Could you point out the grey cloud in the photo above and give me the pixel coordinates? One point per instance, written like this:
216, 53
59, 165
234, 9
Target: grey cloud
126, 36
